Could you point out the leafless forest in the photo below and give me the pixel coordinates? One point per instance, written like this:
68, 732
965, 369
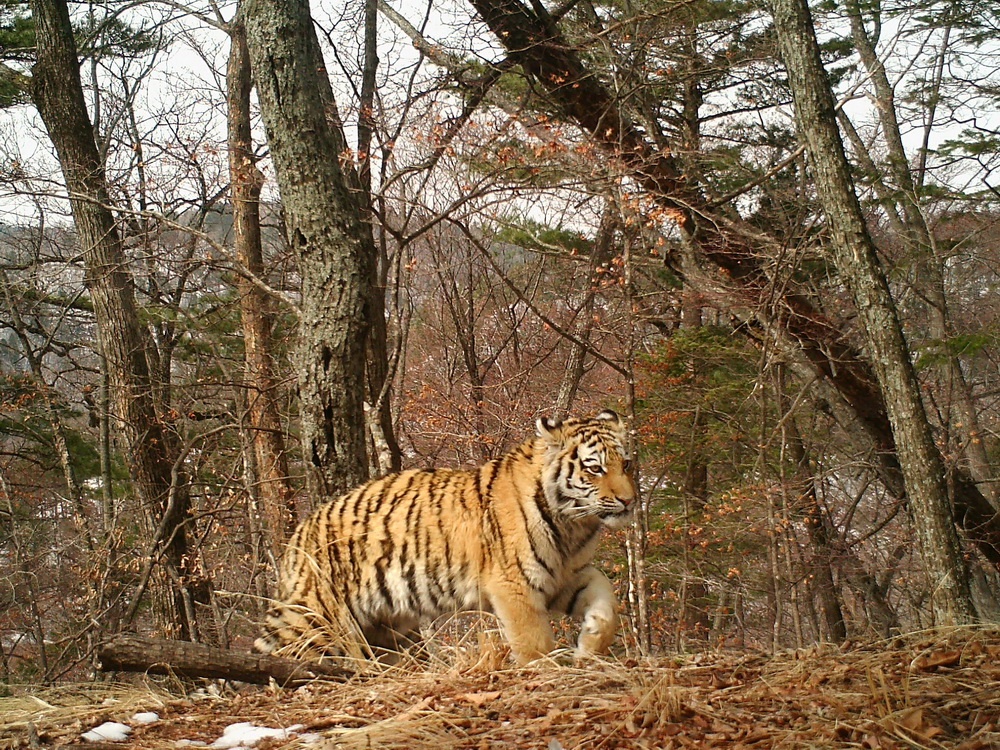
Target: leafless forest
251, 255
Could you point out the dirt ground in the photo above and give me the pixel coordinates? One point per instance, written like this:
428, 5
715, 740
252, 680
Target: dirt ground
929, 690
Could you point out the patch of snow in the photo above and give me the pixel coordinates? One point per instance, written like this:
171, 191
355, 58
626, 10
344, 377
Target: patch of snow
190, 743
246, 734
109, 731
145, 717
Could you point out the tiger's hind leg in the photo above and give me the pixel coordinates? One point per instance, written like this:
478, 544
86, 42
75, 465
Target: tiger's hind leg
389, 640
590, 599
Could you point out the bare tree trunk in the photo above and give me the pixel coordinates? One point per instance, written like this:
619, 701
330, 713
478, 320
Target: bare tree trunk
386, 456
879, 616
270, 460
323, 223
821, 563
857, 261
20, 559
150, 444
95, 602
775, 601
695, 616
787, 545
637, 591
637, 537
822, 554
577, 359
918, 239
59, 440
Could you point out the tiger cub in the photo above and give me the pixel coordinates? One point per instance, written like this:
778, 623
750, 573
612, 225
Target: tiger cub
515, 536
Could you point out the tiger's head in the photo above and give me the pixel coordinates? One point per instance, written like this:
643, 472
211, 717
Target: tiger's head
588, 473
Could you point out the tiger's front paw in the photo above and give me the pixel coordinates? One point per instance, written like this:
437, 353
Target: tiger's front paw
597, 631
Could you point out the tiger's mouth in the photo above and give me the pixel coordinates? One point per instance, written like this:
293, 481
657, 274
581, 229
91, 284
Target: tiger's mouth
616, 517
611, 512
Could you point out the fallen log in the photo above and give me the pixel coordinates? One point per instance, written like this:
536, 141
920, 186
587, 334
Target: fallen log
157, 656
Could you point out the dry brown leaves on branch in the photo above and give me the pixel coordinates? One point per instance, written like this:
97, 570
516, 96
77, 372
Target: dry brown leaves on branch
921, 691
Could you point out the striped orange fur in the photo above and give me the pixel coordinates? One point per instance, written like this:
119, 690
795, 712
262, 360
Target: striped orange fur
516, 537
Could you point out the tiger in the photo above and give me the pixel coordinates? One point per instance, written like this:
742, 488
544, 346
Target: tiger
515, 536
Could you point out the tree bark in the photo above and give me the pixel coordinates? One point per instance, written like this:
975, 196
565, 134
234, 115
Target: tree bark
387, 455
717, 250
150, 445
818, 526
918, 239
323, 223
154, 656
857, 260
271, 461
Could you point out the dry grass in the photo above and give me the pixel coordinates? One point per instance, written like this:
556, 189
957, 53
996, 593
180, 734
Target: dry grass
928, 690
34, 712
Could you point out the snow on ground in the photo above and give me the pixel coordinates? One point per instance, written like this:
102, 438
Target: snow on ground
237, 736
245, 734
109, 731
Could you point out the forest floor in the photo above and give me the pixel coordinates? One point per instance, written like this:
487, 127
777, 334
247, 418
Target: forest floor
928, 690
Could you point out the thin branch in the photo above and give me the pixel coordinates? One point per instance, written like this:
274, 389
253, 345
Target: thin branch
533, 307
230, 262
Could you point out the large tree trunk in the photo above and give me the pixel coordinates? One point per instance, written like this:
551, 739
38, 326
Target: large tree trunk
150, 445
729, 267
909, 222
857, 260
324, 227
386, 455
270, 460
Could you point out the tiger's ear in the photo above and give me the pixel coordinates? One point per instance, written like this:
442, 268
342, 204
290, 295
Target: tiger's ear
550, 429
611, 416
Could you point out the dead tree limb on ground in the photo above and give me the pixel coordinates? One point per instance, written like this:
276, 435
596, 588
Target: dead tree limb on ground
186, 659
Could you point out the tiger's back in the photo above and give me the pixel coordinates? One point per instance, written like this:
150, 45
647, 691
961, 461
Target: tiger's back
515, 536
377, 561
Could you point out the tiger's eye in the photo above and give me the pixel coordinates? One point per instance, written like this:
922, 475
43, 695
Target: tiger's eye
596, 470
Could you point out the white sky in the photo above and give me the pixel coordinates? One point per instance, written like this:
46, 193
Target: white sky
182, 101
